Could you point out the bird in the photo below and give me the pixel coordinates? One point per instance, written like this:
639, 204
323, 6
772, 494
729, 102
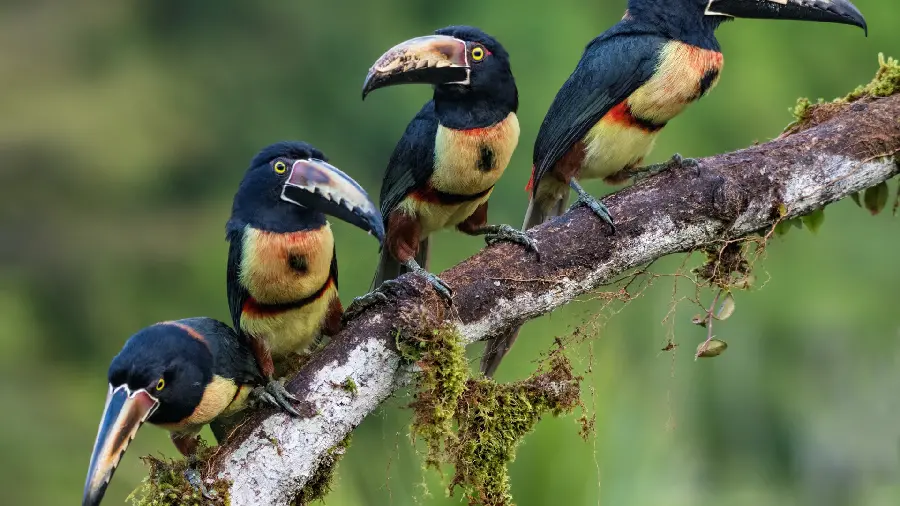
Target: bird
630, 82
445, 165
179, 375
282, 274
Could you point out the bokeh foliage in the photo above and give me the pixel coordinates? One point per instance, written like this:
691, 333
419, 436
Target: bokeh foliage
127, 125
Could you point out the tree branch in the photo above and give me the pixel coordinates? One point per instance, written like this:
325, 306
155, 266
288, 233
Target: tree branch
271, 457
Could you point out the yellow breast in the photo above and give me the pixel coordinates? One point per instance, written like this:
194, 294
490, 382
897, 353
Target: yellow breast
683, 74
218, 398
270, 265
467, 162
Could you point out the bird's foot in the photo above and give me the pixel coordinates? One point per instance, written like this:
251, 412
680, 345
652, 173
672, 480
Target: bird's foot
368, 300
274, 394
641, 173
505, 233
443, 289
195, 480
586, 199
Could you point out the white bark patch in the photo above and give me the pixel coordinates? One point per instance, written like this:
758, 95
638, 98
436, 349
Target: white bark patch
283, 453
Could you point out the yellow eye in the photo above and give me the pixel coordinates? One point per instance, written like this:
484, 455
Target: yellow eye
160, 384
478, 53
280, 167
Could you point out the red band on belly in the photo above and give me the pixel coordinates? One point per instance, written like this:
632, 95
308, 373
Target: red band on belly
621, 114
435, 196
254, 309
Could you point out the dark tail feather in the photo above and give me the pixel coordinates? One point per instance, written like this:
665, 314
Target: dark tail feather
498, 347
389, 268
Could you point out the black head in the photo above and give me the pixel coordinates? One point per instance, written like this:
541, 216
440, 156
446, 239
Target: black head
159, 376
463, 62
681, 17
290, 187
170, 363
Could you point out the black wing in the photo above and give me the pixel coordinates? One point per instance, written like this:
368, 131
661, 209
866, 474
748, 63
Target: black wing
612, 67
412, 162
232, 357
237, 294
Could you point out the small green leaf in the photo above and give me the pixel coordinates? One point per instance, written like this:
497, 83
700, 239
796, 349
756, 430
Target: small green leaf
876, 198
814, 220
782, 210
855, 197
796, 223
727, 308
714, 348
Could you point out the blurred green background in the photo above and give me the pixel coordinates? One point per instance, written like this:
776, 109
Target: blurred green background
126, 127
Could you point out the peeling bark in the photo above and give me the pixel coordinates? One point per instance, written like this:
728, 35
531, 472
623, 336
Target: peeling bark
271, 456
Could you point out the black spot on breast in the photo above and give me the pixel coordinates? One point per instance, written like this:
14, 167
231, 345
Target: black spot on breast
707, 81
486, 159
298, 263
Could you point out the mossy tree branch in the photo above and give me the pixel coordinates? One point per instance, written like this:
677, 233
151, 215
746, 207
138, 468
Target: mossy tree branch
733, 195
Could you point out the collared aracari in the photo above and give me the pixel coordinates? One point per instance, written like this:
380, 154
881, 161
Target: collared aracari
444, 168
632, 80
282, 261
179, 375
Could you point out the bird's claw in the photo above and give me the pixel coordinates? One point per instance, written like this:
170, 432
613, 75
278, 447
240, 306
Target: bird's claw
685, 163
195, 480
506, 233
276, 395
368, 300
597, 208
677, 160
443, 289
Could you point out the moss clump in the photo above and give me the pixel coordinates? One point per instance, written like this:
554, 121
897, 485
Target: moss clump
167, 486
490, 419
886, 83
350, 386
319, 485
442, 358
494, 418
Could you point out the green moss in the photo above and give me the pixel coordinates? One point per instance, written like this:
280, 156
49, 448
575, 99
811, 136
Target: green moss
801, 109
166, 485
885, 83
493, 419
350, 386
442, 358
319, 485
490, 419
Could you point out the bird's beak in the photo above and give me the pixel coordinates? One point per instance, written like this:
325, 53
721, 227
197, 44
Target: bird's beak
315, 184
831, 11
432, 59
123, 415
